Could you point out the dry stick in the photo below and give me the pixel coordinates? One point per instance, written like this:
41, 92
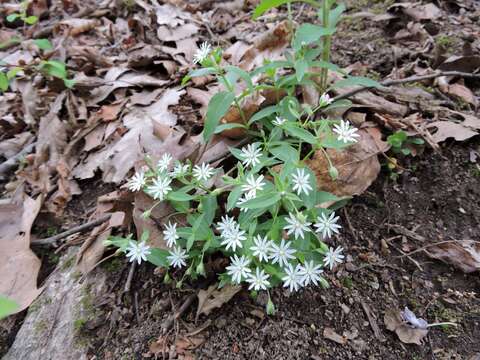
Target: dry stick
410, 79
8, 165
80, 228
171, 319
128, 283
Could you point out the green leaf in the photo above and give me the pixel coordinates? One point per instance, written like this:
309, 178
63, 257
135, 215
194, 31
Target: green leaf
327, 65
309, 33
197, 73
243, 75
217, 108
30, 20
272, 66
356, 81
323, 197
209, 205
233, 197
335, 15
158, 257
301, 67
69, 83
7, 307
286, 153
179, 196
43, 44
262, 201
13, 72
266, 5
293, 130
12, 17
54, 68
3, 82
223, 127
263, 113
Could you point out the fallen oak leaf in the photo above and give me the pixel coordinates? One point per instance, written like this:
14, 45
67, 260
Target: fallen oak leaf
394, 322
214, 298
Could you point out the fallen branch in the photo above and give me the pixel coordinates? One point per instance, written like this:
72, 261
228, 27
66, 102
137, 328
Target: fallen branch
171, 319
8, 165
410, 79
80, 228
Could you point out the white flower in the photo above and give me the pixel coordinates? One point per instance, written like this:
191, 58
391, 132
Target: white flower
293, 279
345, 132
239, 268
226, 225
202, 53
296, 225
164, 162
301, 182
159, 188
333, 257
325, 100
180, 170
253, 185
281, 253
279, 121
310, 273
170, 234
258, 281
203, 172
177, 257
137, 251
251, 155
262, 248
244, 199
137, 182
327, 225
234, 238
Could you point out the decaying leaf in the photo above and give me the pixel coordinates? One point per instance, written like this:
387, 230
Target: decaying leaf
19, 266
464, 255
214, 298
330, 334
460, 131
357, 165
407, 334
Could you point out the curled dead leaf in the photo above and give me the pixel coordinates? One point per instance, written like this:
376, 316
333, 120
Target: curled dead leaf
214, 298
464, 255
407, 334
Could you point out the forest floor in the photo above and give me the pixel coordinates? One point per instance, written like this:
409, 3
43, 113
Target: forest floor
434, 197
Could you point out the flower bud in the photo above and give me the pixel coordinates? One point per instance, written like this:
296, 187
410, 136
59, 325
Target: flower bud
333, 172
270, 307
324, 283
200, 269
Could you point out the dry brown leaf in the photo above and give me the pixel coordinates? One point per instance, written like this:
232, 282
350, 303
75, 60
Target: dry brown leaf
214, 298
357, 165
460, 131
11, 147
330, 334
78, 26
464, 255
461, 63
407, 334
423, 12
19, 266
461, 92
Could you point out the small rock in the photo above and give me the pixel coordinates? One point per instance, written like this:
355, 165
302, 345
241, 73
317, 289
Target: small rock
359, 345
220, 323
345, 308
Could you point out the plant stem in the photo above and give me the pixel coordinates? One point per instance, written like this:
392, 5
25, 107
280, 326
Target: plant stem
327, 43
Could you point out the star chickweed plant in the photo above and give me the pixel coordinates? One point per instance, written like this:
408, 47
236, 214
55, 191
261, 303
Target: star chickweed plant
266, 214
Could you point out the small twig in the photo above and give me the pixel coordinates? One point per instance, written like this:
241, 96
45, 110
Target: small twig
410, 79
128, 283
8, 165
135, 298
371, 320
171, 319
423, 248
349, 223
76, 229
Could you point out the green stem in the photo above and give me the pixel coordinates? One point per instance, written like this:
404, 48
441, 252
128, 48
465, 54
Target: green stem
327, 43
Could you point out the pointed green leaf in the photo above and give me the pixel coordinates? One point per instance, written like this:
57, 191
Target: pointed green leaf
217, 108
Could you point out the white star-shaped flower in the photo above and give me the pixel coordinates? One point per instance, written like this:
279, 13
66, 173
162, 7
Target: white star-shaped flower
226, 225
137, 251
159, 188
137, 182
281, 253
258, 281
164, 162
301, 182
310, 273
279, 121
345, 132
177, 257
253, 185
180, 170
325, 100
327, 225
297, 225
244, 199
293, 278
202, 54
333, 257
239, 268
203, 172
234, 238
251, 155
170, 234
262, 248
